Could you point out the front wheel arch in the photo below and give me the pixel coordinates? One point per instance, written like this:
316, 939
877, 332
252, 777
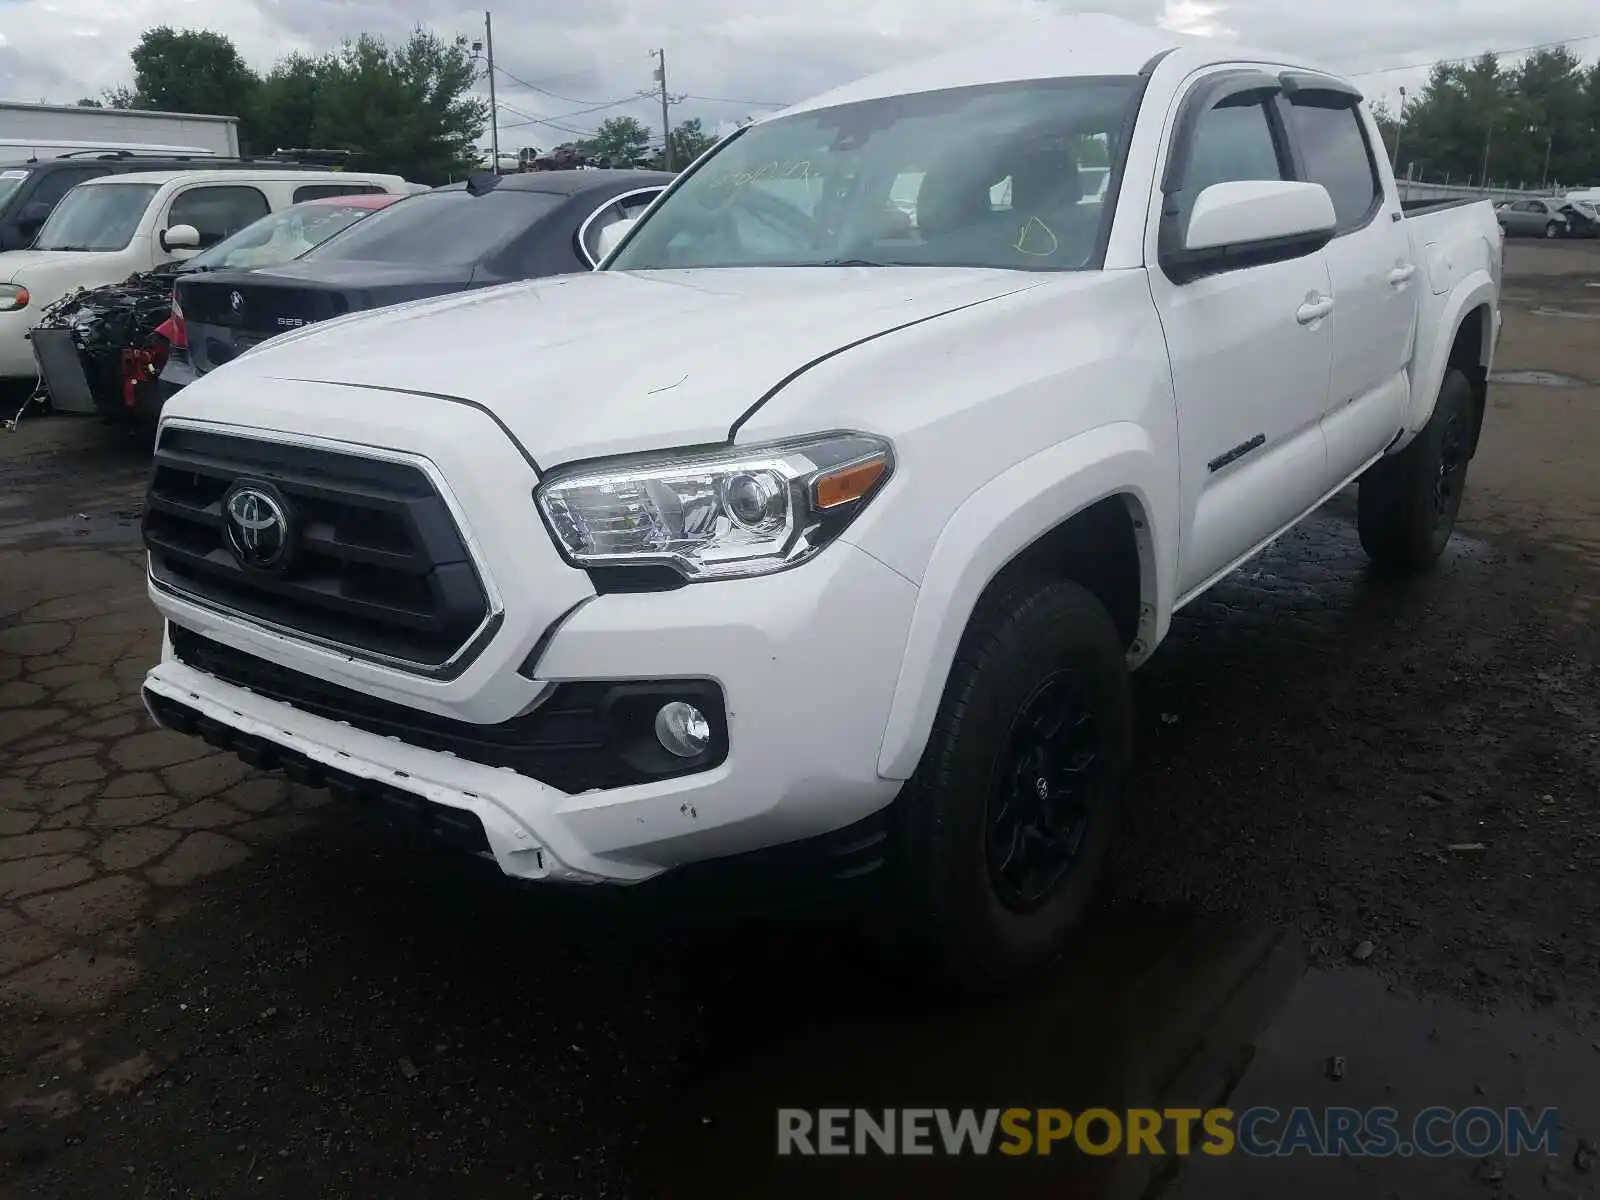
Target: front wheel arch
1023, 521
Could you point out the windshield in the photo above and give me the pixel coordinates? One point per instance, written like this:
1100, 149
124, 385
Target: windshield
439, 229
96, 216
10, 181
1007, 175
279, 237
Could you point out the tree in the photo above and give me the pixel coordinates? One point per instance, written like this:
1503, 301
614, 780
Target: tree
121, 97
285, 108
621, 141
90, 102
1537, 124
689, 142
406, 108
194, 71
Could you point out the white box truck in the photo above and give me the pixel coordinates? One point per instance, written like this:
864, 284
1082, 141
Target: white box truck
34, 131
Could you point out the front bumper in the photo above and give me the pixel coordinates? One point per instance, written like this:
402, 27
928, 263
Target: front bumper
807, 661
16, 352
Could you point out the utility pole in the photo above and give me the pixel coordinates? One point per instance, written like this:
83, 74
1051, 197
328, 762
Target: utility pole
486, 47
494, 110
1483, 180
1544, 178
1399, 128
666, 121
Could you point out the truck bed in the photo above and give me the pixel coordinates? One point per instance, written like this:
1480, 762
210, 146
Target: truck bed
1412, 208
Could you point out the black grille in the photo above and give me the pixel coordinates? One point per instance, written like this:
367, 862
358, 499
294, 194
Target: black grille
376, 563
583, 736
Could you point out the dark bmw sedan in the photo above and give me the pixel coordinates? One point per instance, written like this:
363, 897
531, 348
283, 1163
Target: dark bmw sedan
487, 231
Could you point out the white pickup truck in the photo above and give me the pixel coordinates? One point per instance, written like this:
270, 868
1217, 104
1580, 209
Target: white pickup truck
841, 557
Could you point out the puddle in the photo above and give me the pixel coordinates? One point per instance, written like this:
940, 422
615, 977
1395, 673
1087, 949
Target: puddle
1545, 310
1538, 379
95, 529
1152, 1008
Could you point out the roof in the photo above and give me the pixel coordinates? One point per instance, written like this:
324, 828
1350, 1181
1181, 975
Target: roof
263, 175
1080, 44
570, 183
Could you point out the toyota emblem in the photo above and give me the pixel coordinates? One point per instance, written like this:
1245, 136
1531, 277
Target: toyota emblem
257, 527
236, 302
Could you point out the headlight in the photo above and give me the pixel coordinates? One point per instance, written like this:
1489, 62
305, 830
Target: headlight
715, 515
12, 297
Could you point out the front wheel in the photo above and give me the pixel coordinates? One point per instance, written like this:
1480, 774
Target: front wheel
1407, 504
1552, 230
1001, 834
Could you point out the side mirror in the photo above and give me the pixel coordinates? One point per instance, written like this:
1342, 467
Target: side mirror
611, 237
180, 241
1250, 223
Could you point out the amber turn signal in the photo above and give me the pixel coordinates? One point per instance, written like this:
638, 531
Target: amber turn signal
847, 484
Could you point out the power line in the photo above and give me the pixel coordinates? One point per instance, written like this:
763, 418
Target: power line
533, 87
746, 103
553, 123
1439, 62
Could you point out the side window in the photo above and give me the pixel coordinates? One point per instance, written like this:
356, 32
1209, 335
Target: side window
612, 212
320, 191
58, 183
1526, 206
1338, 156
609, 214
633, 206
1232, 142
219, 211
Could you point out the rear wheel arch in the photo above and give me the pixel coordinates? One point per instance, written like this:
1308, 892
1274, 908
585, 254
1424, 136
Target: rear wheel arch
1470, 352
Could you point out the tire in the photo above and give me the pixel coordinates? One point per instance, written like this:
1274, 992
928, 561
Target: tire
1407, 504
968, 912
1552, 230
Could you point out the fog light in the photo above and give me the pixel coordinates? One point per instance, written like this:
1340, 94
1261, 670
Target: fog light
682, 729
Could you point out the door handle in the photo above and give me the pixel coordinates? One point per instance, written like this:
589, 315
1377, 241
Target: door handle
1314, 310
1402, 273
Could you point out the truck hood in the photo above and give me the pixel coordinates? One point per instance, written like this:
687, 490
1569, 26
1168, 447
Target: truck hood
605, 362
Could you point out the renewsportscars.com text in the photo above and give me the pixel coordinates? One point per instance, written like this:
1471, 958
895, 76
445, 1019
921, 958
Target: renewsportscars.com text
1260, 1132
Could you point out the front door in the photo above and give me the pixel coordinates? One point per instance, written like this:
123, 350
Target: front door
1251, 351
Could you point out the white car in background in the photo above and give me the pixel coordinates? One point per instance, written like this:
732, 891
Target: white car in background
107, 229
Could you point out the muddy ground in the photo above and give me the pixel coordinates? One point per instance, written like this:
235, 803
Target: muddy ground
213, 984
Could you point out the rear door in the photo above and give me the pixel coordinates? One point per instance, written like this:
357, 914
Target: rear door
1525, 217
1251, 348
1374, 282
217, 210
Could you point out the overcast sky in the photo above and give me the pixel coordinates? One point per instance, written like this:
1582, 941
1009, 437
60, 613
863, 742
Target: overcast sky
730, 58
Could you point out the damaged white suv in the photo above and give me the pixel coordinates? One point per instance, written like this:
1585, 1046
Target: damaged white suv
811, 532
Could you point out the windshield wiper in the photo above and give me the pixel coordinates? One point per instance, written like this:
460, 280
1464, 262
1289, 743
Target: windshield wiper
853, 262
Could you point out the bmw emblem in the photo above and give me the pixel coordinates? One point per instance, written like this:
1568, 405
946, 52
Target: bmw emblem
236, 302
257, 525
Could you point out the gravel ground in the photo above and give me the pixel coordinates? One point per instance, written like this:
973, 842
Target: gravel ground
212, 984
